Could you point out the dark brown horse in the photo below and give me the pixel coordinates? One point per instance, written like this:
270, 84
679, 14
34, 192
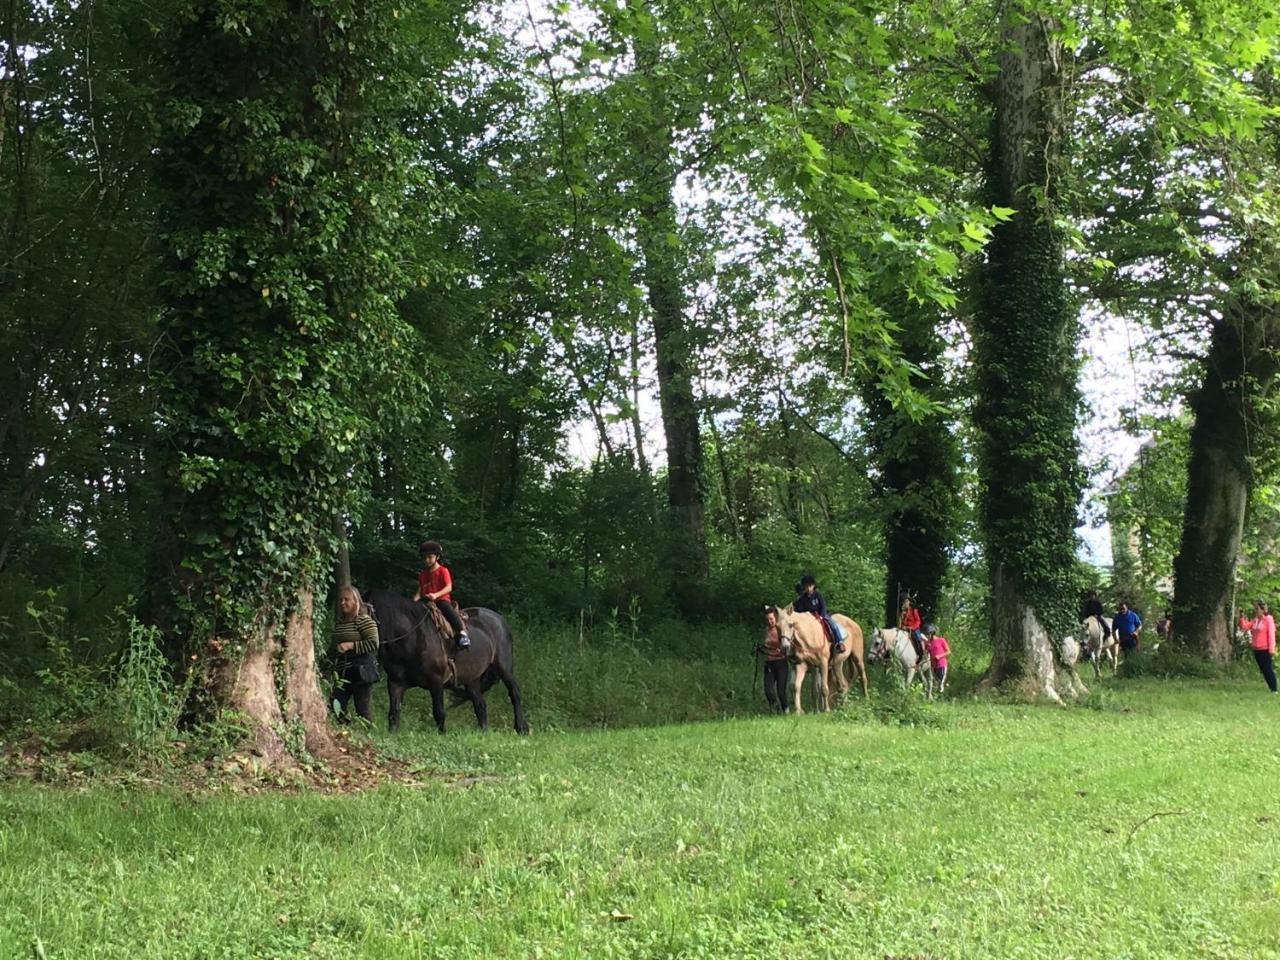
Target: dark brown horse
414, 653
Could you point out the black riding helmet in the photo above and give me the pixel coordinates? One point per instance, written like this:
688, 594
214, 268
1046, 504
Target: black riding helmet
430, 546
807, 579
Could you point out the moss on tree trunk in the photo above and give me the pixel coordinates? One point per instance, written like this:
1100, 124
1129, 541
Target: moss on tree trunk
1025, 339
1240, 364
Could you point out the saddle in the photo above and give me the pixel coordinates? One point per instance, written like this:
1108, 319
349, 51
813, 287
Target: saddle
826, 630
441, 623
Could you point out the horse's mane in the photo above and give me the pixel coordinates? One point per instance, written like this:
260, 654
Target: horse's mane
389, 602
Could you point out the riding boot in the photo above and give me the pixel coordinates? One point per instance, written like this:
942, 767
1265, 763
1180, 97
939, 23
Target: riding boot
464, 641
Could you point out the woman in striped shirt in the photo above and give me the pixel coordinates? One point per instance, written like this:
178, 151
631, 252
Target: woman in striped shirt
354, 649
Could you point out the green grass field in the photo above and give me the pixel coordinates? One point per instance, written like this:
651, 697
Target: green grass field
987, 831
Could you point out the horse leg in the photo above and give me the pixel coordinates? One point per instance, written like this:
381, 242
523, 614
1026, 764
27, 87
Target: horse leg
436, 688
862, 673
801, 669
395, 692
840, 679
820, 682
911, 675
476, 696
513, 692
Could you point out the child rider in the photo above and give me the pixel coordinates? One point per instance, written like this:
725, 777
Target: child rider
435, 584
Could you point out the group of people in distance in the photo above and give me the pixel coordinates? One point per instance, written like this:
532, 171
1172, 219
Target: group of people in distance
928, 643
353, 644
1126, 624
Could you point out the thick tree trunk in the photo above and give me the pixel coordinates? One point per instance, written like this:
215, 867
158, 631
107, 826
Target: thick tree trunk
1025, 651
917, 475
243, 677
674, 343
1025, 336
1241, 362
303, 702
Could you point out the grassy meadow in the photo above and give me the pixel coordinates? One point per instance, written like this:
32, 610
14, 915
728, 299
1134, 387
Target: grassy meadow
1144, 823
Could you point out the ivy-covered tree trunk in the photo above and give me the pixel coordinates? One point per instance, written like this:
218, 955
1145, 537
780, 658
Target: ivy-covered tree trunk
1025, 337
917, 460
1240, 365
658, 236
283, 170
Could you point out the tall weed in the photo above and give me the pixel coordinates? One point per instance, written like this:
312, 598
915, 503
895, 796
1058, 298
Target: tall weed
147, 702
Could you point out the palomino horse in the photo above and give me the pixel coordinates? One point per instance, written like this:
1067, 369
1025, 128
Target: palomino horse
896, 642
805, 642
1091, 641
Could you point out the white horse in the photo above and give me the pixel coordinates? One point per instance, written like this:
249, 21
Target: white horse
1092, 643
1070, 656
887, 641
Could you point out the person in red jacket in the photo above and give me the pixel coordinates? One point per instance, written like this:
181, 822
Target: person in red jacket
1262, 628
435, 585
909, 619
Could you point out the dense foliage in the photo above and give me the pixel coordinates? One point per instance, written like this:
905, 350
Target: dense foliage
642, 309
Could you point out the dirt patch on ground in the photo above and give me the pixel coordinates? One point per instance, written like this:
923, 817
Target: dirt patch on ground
81, 757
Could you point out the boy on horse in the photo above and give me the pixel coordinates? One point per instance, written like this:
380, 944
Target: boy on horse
435, 585
810, 601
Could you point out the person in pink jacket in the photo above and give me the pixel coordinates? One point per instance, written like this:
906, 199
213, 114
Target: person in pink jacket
1263, 630
936, 646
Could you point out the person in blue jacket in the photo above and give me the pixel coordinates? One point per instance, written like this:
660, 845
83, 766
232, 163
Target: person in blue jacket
1127, 625
810, 601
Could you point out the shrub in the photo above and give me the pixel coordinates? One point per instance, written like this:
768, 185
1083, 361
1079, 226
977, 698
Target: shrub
147, 702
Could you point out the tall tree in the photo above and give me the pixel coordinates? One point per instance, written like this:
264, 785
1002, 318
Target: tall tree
287, 198
917, 459
658, 237
1025, 363
1189, 131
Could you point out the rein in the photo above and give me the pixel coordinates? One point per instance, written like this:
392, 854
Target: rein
412, 630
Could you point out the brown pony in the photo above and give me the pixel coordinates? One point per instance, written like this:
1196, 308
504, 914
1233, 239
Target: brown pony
805, 642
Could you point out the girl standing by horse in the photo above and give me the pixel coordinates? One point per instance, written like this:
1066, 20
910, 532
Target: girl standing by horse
775, 663
938, 649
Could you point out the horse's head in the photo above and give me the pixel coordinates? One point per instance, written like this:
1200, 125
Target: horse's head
787, 620
879, 646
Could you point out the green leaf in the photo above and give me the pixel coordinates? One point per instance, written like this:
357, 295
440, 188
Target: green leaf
927, 206
812, 145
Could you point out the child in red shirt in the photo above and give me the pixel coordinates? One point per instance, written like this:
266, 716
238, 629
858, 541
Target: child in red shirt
909, 619
938, 649
435, 584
